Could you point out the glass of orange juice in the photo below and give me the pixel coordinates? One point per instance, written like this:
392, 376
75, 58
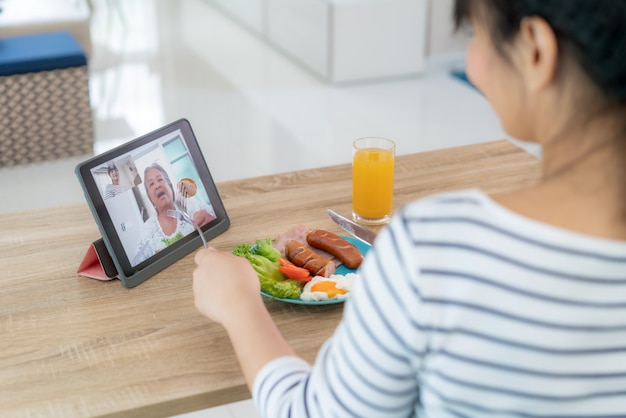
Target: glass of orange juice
372, 180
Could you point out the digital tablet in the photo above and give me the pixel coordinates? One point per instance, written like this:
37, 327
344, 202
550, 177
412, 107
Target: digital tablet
131, 191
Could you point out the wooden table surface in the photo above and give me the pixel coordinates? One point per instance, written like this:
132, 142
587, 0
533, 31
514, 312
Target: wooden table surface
72, 346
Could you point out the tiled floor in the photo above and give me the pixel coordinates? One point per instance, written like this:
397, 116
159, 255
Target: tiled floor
254, 111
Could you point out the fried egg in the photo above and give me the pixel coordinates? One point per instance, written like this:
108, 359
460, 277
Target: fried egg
336, 286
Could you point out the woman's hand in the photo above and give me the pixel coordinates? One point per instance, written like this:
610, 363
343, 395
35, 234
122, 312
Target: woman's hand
202, 217
227, 290
224, 285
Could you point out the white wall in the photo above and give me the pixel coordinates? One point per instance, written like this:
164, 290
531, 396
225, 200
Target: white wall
442, 38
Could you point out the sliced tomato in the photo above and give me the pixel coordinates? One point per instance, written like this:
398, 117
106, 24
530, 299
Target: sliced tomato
285, 262
292, 271
295, 273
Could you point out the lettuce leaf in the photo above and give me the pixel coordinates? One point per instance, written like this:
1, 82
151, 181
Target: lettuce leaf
264, 260
264, 248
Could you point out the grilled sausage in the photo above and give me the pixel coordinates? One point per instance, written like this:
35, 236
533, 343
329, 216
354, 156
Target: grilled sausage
302, 256
337, 246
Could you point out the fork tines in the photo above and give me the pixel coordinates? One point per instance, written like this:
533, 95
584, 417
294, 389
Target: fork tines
182, 195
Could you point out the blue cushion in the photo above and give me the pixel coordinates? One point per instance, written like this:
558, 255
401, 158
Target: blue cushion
40, 52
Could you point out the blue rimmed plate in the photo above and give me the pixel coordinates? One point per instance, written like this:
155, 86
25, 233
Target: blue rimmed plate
342, 269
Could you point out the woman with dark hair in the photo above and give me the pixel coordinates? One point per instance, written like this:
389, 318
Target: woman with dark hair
468, 305
166, 227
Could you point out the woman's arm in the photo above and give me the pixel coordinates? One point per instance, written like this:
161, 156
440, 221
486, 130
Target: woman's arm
364, 370
227, 290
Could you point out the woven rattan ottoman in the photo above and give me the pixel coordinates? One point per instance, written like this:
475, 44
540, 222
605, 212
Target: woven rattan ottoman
45, 111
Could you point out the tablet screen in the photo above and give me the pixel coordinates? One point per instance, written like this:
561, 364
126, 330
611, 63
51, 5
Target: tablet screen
132, 192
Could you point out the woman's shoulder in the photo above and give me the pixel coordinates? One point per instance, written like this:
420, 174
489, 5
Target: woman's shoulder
474, 214
469, 206
468, 214
444, 215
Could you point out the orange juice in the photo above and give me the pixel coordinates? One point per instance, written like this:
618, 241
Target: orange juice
372, 184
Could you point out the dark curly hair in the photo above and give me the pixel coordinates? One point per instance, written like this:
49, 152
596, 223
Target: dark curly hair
592, 32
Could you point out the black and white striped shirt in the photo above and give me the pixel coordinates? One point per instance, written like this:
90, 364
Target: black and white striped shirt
466, 309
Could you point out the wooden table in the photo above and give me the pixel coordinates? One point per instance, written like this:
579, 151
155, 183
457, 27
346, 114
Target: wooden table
72, 346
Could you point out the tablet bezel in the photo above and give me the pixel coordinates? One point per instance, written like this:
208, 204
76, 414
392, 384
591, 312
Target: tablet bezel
130, 275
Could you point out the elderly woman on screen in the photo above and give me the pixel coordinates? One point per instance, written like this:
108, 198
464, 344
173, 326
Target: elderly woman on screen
166, 226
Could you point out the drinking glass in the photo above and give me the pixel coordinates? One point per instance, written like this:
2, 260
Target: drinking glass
372, 180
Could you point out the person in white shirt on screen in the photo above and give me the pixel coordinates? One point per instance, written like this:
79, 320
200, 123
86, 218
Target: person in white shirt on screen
165, 227
470, 305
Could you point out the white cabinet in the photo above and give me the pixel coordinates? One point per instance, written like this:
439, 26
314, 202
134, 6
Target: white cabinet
342, 40
248, 12
301, 28
375, 39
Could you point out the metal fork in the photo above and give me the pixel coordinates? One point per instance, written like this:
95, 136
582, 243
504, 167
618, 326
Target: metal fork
181, 204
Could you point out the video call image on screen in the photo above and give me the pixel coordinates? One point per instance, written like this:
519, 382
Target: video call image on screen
139, 190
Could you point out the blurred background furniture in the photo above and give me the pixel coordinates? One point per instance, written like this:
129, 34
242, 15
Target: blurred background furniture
351, 40
25, 17
45, 111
